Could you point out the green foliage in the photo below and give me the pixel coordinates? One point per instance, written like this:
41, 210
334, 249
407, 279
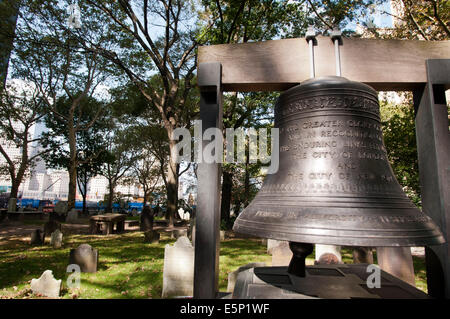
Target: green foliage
423, 19
400, 140
90, 145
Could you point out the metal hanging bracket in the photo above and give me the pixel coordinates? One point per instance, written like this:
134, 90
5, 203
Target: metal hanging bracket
312, 41
336, 37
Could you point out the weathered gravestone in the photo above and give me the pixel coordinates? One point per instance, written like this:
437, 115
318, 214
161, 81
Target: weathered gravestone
178, 273
232, 276
61, 208
84, 256
37, 238
281, 254
56, 239
152, 236
59, 211
46, 285
146, 219
184, 215
271, 243
51, 226
72, 216
222, 235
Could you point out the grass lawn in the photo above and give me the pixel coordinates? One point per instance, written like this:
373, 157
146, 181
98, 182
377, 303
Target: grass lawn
128, 267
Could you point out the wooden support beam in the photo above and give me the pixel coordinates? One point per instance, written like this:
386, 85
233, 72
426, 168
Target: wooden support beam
280, 64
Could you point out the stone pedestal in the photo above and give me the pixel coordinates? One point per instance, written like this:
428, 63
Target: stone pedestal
178, 275
398, 262
321, 281
232, 276
86, 257
46, 285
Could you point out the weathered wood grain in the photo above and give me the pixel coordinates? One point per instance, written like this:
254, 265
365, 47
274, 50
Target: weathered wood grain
280, 64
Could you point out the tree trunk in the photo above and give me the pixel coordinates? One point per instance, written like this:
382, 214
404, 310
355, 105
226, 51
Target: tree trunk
109, 207
82, 186
72, 187
247, 179
84, 203
14, 188
16, 179
72, 165
172, 184
227, 184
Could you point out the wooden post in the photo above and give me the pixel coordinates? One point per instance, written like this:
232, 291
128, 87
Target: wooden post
207, 220
433, 148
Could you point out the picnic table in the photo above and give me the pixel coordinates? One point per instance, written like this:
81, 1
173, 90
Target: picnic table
105, 223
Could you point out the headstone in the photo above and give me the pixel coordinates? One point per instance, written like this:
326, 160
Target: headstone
181, 212
146, 219
56, 239
232, 276
328, 255
178, 273
61, 208
222, 235
84, 256
152, 236
72, 216
46, 285
37, 238
12, 205
51, 226
272, 243
281, 254
21, 210
185, 215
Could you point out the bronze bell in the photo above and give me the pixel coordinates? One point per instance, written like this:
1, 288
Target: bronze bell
334, 184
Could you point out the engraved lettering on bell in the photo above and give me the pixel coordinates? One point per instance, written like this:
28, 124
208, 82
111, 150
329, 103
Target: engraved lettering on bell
334, 184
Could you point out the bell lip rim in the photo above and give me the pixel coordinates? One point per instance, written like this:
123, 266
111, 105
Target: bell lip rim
380, 241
